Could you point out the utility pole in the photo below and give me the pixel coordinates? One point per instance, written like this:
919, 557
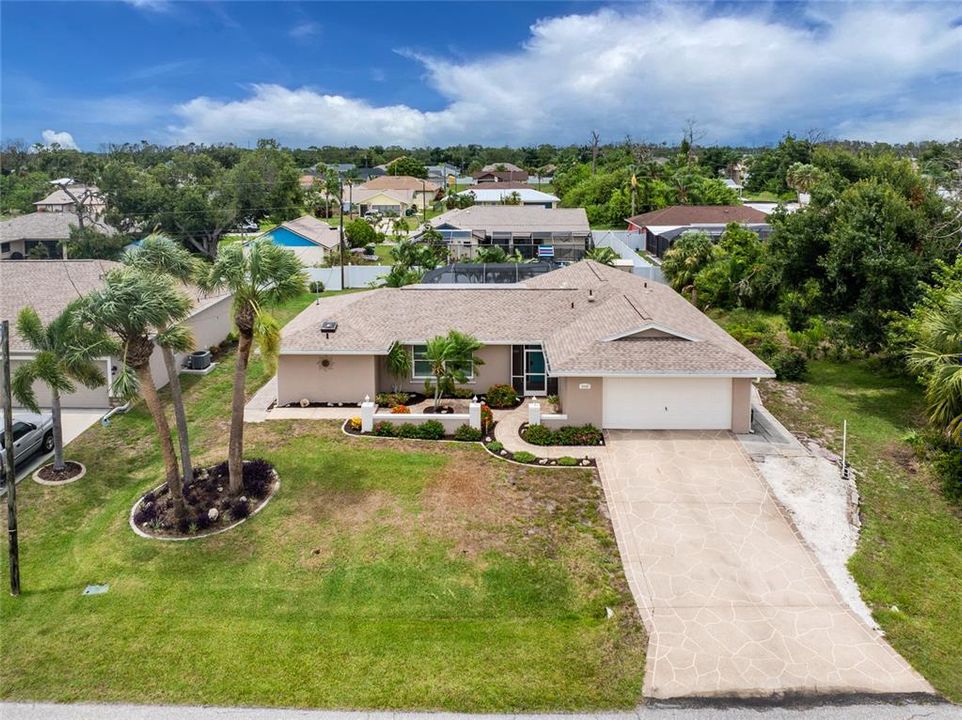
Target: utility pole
424, 201
340, 214
8, 462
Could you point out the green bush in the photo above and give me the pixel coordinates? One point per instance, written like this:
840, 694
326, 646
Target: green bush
538, 435
389, 400
409, 431
317, 286
525, 457
467, 433
948, 468
790, 364
384, 429
495, 446
567, 461
578, 435
431, 430
501, 396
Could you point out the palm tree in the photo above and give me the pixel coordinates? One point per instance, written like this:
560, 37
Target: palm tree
451, 356
134, 306
398, 362
602, 255
160, 254
935, 358
265, 275
691, 252
65, 352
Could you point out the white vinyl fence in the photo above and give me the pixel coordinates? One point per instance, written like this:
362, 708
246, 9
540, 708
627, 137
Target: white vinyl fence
355, 276
621, 242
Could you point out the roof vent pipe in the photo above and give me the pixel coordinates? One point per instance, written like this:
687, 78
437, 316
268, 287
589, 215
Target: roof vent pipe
591, 296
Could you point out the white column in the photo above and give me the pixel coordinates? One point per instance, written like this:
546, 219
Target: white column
474, 414
367, 414
534, 413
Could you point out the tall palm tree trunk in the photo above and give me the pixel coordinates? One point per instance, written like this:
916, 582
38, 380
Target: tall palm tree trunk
180, 417
152, 399
235, 452
58, 463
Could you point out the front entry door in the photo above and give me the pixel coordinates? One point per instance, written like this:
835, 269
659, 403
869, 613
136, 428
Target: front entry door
535, 378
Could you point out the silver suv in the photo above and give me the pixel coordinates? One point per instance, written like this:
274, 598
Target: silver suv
31, 432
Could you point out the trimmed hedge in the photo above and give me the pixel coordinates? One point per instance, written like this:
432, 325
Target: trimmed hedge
467, 433
430, 430
567, 435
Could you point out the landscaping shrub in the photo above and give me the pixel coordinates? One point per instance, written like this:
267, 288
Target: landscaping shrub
948, 468
495, 446
431, 430
354, 424
567, 461
539, 435
317, 286
389, 400
525, 457
201, 521
408, 430
146, 511
384, 429
258, 477
239, 509
400, 410
554, 401
467, 433
487, 417
578, 435
501, 396
790, 364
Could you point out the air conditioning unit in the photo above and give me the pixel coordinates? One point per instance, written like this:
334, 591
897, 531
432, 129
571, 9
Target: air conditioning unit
199, 360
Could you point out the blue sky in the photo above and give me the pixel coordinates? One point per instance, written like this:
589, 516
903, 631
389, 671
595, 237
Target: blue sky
488, 72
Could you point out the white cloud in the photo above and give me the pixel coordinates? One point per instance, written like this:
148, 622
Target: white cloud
849, 69
154, 5
63, 139
304, 30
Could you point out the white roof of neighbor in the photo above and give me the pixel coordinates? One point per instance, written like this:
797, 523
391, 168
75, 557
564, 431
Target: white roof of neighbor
769, 207
528, 196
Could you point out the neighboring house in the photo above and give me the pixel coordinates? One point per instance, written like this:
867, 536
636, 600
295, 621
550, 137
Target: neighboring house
660, 228
487, 273
497, 193
494, 176
561, 234
620, 352
364, 174
306, 181
444, 173
383, 202
502, 167
732, 185
21, 234
422, 192
49, 287
309, 238
60, 201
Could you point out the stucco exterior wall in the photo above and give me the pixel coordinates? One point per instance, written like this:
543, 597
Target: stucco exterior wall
210, 327
495, 371
581, 405
741, 405
347, 378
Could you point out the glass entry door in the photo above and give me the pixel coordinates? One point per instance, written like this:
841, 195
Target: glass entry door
535, 377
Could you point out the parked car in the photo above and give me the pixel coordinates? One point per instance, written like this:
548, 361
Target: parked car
31, 432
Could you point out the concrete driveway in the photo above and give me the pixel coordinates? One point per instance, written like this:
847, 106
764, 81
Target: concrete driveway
74, 422
734, 601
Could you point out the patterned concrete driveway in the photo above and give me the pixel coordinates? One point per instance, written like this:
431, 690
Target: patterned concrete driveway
735, 602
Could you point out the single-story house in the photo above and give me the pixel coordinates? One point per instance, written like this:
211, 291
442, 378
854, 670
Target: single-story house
549, 233
495, 176
443, 172
21, 234
660, 228
498, 193
423, 192
620, 352
49, 287
307, 237
385, 202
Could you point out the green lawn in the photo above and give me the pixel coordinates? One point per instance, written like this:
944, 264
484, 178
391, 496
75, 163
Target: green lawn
388, 574
384, 253
910, 553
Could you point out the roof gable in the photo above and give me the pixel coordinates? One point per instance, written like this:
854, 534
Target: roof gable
651, 331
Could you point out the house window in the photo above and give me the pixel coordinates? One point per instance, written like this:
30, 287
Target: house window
421, 366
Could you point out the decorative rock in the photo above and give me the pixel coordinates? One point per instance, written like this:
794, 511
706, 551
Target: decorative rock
243, 498
220, 488
609, 613
212, 514
304, 402
895, 609
542, 461
504, 452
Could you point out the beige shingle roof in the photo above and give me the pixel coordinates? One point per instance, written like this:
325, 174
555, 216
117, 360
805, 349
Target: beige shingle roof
315, 230
579, 313
700, 214
400, 182
50, 285
515, 218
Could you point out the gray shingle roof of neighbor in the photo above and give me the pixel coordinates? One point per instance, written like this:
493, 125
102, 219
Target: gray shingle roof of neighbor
515, 218
45, 226
591, 319
60, 197
48, 286
703, 214
315, 230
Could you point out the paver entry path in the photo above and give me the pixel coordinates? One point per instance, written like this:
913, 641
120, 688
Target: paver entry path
734, 601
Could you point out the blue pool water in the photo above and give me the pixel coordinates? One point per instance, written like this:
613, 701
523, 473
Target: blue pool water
286, 238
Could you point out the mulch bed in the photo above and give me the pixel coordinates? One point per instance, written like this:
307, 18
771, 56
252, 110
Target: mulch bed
70, 471
210, 506
321, 405
571, 461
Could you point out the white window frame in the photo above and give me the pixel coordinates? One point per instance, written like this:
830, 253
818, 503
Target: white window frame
414, 360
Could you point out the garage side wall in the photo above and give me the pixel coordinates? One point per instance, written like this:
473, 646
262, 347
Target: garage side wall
581, 404
741, 405
345, 378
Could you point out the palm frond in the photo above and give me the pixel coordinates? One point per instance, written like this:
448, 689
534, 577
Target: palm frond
126, 384
30, 327
267, 335
21, 385
178, 338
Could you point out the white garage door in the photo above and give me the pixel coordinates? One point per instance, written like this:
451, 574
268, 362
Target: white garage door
667, 403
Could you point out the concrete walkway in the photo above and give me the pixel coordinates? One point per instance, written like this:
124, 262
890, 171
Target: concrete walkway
735, 603
258, 408
784, 711
506, 432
